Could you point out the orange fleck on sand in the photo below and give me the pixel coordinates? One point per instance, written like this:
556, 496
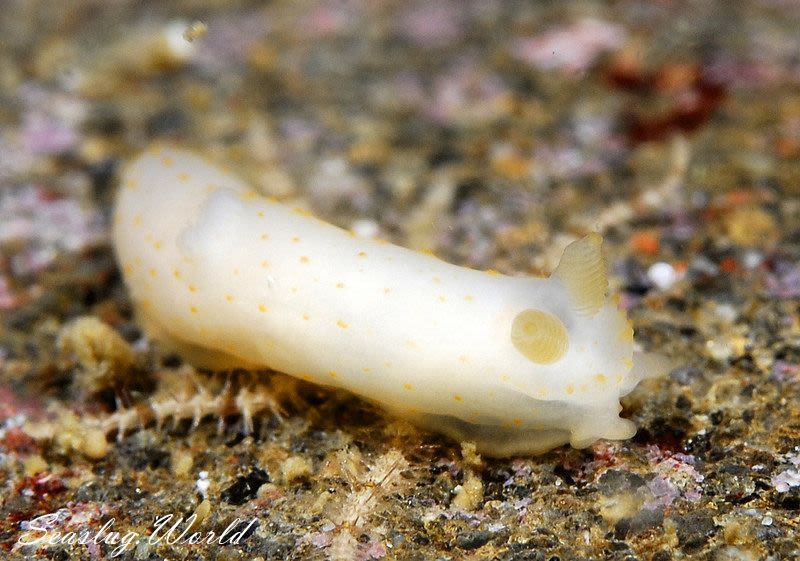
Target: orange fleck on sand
646, 242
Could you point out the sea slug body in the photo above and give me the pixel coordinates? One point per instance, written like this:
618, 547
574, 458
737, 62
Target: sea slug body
229, 278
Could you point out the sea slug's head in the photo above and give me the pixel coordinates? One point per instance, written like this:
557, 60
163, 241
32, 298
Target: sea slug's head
582, 339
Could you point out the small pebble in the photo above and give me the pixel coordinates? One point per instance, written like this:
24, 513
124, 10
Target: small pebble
470, 494
294, 468
94, 445
364, 228
202, 482
182, 463
662, 275
34, 464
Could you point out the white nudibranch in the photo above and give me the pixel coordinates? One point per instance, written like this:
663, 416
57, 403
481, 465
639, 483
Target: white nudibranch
229, 278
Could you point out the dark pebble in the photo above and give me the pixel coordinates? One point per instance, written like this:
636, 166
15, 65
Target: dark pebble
694, 528
613, 481
473, 540
245, 487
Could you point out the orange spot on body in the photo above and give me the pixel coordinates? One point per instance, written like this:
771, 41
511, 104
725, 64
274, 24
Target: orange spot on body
362, 253
458, 398
342, 324
166, 161
184, 177
229, 297
408, 387
193, 309
304, 260
262, 308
